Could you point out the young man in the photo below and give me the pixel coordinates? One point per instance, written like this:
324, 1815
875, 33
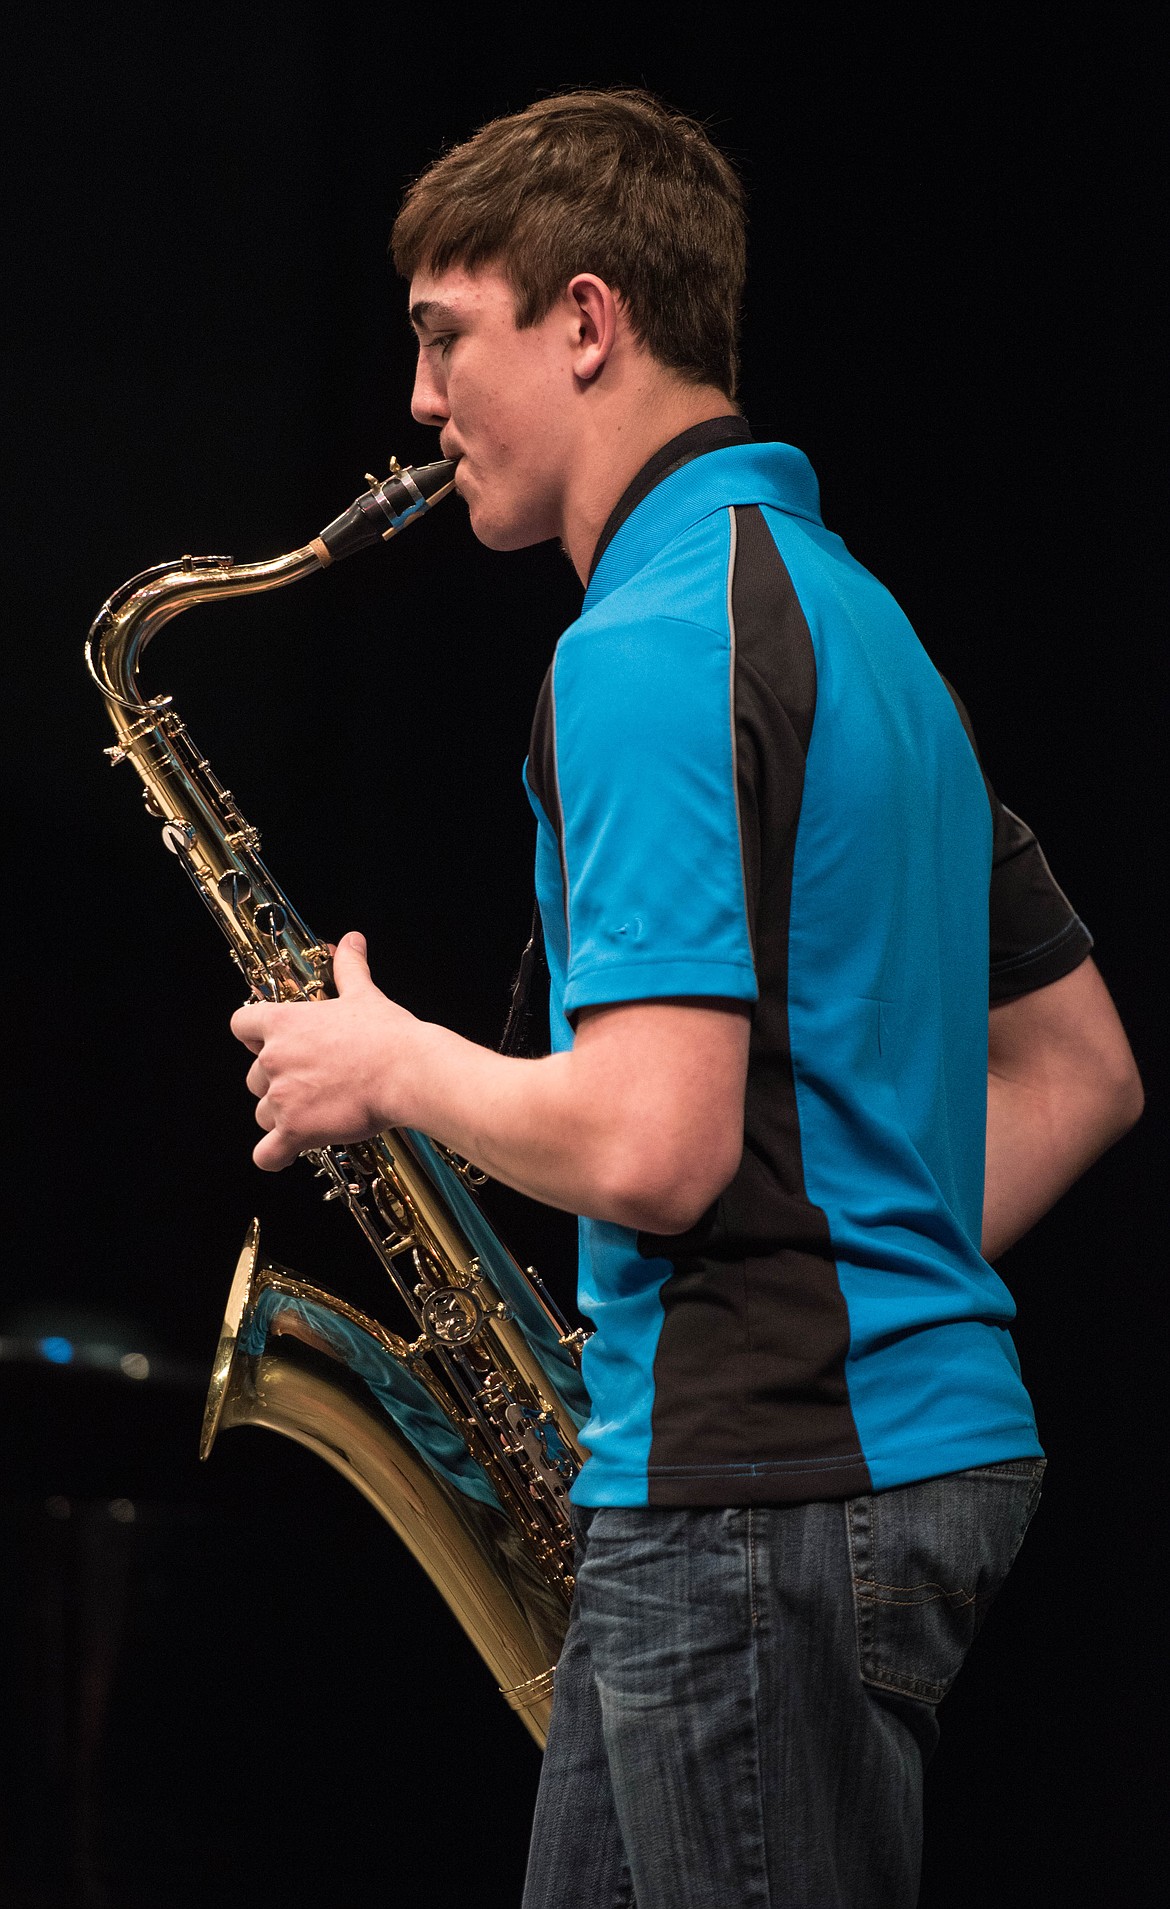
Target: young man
776, 892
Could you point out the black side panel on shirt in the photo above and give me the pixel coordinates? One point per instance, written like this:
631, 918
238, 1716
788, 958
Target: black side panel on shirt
1036, 937
734, 1291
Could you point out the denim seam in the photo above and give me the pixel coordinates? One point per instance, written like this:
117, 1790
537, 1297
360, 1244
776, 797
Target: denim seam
1006, 1468
871, 1590
903, 1684
852, 1540
761, 1827
1029, 1513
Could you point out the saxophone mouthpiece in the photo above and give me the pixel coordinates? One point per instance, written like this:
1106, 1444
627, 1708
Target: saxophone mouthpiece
385, 509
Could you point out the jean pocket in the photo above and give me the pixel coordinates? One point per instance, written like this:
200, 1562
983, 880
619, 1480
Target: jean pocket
926, 1562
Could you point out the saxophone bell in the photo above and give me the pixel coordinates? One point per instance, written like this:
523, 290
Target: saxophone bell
300, 1362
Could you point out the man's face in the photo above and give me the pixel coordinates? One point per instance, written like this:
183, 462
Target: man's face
505, 400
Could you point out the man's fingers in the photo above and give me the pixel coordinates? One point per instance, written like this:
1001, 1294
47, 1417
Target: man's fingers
247, 1025
350, 967
256, 1080
274, 1152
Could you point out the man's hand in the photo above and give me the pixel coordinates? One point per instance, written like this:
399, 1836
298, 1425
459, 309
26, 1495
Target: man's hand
326, 1071
640, 1123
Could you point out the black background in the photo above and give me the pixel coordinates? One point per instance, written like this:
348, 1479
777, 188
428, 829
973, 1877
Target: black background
949, 310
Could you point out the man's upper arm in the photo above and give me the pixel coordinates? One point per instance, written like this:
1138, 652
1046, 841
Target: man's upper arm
645, 780
1067, 1042
1062, 1086
670, 1079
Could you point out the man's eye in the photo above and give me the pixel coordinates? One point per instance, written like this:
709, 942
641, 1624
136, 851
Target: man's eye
441, 343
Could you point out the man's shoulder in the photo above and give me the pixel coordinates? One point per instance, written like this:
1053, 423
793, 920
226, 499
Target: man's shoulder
677, 577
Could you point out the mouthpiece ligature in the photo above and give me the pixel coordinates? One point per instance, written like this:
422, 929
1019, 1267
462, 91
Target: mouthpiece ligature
386, 508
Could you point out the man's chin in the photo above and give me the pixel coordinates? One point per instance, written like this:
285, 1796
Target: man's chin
495, 535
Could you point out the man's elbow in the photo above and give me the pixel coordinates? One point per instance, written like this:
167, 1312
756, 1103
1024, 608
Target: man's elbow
1098, 1104
666, 1189
1124, 1096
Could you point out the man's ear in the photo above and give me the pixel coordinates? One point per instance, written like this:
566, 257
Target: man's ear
596, 319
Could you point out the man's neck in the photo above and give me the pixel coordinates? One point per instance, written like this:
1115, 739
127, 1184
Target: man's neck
617, 445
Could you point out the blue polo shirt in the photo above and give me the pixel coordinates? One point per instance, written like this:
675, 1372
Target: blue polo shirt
751, 784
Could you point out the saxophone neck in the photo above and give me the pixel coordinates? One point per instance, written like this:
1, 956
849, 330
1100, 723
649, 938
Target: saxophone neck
135, 613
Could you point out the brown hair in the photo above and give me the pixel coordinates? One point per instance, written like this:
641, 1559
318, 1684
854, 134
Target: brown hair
611, 182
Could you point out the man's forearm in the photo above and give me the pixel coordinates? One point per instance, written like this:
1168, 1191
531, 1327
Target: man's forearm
641, 1123
1035, 1151
524, 1122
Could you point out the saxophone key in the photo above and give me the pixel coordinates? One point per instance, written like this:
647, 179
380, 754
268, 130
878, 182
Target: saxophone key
395, 1243
390, 1207
452, 1317
270, 919
178, 836
234, 889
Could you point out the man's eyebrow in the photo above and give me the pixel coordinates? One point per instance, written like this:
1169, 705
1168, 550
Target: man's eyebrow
431, 314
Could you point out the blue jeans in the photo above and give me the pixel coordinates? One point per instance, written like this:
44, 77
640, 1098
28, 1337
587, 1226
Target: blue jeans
746, 1698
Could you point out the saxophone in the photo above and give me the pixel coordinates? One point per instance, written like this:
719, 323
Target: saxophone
465, 1436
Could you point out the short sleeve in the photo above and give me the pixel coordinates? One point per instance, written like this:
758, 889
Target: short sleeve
646, 786
1036, 935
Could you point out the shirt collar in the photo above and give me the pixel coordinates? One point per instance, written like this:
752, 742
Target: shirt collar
775, 476
714, 434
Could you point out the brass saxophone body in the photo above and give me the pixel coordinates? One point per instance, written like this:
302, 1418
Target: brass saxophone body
465, 1436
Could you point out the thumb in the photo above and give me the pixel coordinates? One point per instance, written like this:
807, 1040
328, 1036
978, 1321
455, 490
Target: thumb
350, 967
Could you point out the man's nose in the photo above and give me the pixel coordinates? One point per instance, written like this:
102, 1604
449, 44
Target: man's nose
428, 404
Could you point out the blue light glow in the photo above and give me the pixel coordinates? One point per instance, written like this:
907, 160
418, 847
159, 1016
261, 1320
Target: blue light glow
59, 1351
